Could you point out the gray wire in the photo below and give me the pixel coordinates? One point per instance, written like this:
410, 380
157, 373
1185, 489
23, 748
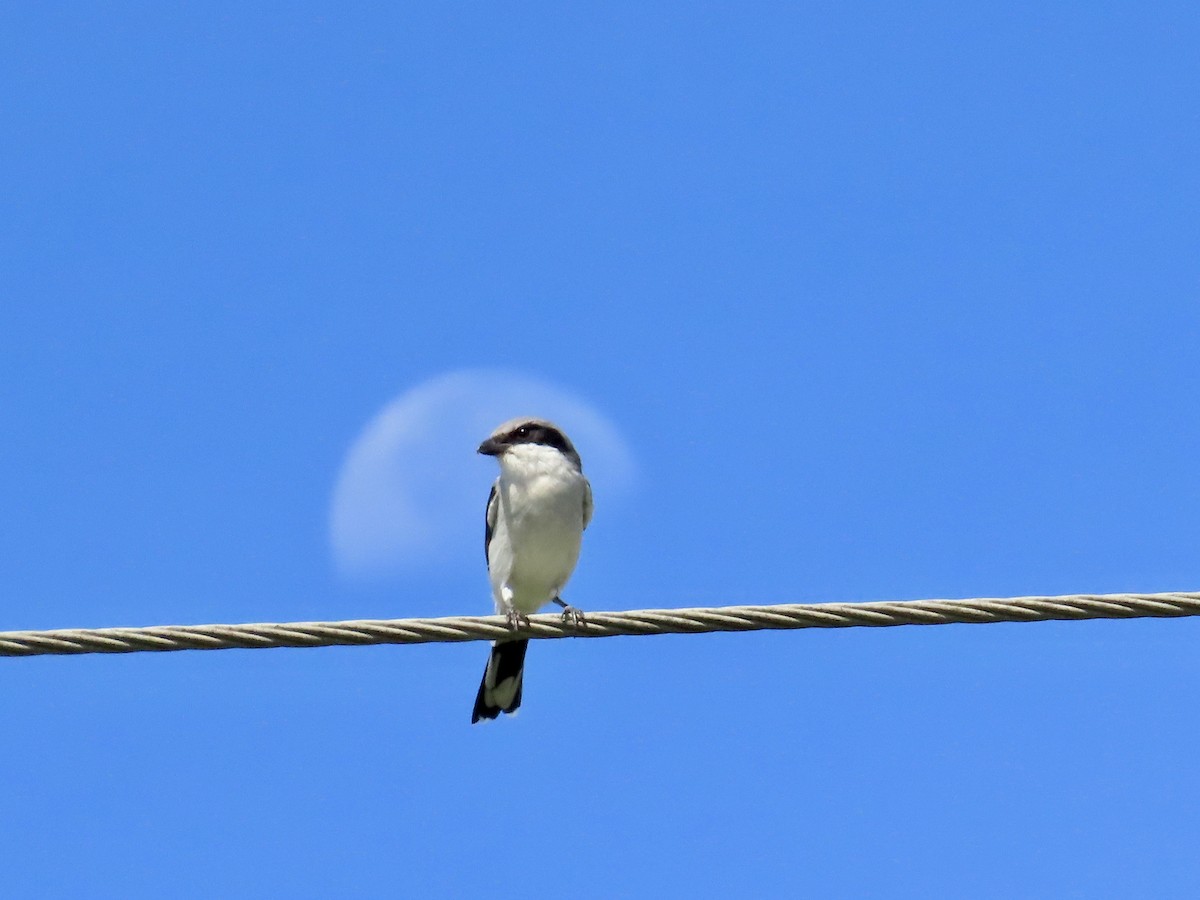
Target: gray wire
602, 624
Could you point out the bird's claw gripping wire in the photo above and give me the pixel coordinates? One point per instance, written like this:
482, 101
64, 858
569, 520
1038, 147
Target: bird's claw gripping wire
571, 615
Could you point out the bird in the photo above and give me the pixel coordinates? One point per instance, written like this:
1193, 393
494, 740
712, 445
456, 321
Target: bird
536, 513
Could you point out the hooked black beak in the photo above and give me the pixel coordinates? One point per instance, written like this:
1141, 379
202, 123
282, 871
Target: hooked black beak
491, 447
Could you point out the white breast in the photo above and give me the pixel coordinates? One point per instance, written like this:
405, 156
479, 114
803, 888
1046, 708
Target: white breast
539, 526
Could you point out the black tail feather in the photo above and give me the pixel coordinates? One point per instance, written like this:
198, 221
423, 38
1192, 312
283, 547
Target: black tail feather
503, 680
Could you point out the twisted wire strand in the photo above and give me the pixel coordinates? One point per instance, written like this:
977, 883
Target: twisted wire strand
161, 638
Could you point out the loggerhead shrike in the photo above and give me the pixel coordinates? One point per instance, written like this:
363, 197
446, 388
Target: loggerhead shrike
536, 514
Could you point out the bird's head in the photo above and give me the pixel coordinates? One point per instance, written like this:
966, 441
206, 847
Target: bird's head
526, 432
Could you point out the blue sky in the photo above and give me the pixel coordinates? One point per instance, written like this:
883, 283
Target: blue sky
883, 301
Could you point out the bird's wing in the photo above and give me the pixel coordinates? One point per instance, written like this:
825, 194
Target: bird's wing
587, 502
489, 524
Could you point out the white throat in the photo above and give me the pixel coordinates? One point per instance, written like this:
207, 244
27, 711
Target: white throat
530, 461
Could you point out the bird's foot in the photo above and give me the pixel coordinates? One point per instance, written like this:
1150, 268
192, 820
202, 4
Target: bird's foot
571, 614
516, 620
